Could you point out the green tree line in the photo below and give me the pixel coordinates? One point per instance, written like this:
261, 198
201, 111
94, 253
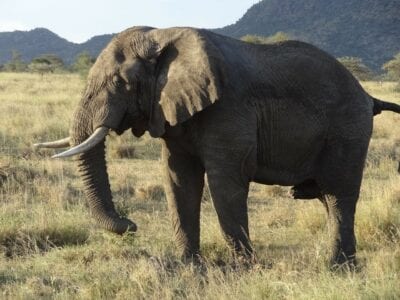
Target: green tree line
49, 63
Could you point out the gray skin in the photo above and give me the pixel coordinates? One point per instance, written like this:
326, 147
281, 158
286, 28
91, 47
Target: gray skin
286, 114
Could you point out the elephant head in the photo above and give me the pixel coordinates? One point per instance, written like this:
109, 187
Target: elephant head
144, 80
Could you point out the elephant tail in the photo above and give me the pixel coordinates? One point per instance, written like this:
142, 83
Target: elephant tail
380, 106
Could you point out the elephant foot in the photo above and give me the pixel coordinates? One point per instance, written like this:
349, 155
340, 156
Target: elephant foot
306, 190
195, 259
345, 265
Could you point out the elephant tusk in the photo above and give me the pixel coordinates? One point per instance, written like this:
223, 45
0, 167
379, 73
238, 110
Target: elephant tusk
55, 144
97, 136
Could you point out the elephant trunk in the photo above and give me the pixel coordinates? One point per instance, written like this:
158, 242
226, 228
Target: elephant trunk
93, 170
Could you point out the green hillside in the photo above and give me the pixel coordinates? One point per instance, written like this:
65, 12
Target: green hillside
33, 43
369, 29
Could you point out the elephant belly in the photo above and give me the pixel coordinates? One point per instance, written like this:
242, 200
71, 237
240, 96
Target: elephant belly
289, 138
266, 175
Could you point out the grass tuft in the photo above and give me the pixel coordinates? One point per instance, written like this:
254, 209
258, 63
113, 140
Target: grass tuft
20, 243
154, 192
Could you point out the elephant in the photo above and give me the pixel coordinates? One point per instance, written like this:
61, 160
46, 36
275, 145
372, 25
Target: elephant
287, 114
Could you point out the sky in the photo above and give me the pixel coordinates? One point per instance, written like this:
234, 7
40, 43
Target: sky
79, 20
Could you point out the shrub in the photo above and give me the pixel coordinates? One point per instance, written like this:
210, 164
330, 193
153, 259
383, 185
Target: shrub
82, 64
356, 66
16, 64
47, 63
258, 39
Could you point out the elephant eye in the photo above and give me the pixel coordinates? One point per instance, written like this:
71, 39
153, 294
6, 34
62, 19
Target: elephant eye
118, 81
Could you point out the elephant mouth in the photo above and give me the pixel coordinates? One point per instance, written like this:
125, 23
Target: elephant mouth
125, 124
137, 123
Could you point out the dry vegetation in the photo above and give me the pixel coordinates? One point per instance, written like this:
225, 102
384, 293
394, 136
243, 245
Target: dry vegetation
50, 247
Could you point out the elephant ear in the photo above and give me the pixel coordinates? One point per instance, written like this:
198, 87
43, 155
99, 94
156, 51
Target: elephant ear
189, 77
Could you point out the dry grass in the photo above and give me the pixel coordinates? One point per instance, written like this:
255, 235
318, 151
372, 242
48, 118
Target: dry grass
50, 247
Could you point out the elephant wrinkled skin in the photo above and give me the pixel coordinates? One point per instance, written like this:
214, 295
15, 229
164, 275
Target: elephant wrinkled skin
286, 114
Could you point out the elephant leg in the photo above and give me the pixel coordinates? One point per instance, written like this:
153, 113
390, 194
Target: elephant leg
184, 177
340, 180
341, 211
230, 200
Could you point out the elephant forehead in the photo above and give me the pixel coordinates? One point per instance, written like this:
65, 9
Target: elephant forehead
108, 58
105, 67
127, 34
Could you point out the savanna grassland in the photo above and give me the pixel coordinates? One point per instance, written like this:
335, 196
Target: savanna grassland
51, 248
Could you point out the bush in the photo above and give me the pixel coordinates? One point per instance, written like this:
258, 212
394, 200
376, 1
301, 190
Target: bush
82, 64
47, 63
16, 64
392, 67
258, 39
356, 67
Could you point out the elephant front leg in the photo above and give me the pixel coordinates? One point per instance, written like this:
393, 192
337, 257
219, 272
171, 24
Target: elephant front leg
229, 195
184, 177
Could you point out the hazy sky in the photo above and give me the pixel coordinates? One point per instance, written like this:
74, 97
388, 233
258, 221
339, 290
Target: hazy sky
78, 20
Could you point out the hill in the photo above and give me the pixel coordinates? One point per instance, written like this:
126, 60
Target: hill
39, 41
368, 29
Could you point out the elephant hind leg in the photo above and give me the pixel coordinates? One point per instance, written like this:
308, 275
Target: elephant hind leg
341, 211
340, 177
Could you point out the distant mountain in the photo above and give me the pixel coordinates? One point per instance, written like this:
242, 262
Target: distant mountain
95, 44
369, 29
36, 42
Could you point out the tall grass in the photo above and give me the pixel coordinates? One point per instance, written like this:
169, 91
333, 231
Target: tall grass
51, 248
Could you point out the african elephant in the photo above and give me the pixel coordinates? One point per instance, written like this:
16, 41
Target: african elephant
286, 114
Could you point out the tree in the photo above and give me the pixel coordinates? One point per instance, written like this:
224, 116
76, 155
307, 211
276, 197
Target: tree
254, 39
83, 62
16, 63
278, 37
47, 63
258, 39
357, 67
392, 67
